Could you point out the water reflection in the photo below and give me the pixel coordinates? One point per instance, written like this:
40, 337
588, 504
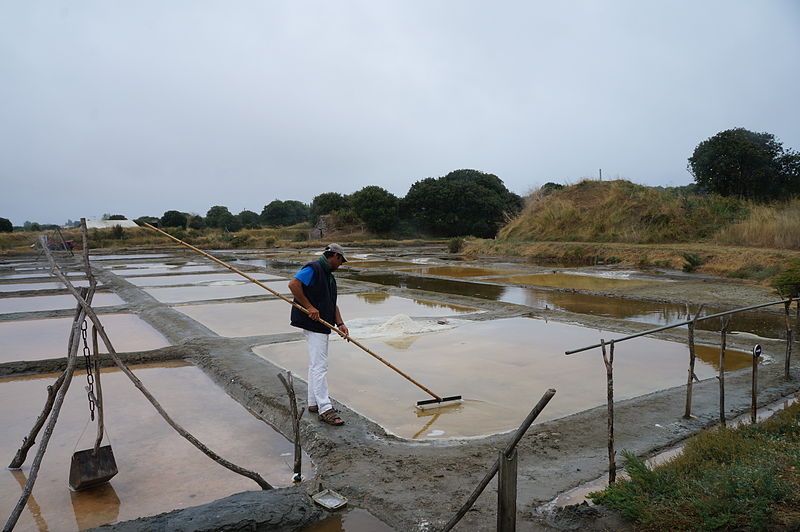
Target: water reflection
355, 520
95, 506
657, 314
457, 271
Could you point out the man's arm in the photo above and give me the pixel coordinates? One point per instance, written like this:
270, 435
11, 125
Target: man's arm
340, 322
296, 287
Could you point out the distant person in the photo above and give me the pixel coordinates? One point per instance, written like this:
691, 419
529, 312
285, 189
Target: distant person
314, 287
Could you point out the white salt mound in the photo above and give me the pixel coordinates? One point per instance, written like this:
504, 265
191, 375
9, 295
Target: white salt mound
399, 325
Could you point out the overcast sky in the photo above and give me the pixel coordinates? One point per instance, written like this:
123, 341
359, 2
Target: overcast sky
144, 106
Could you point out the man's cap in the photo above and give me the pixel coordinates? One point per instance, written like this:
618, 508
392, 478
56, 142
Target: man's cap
336, 248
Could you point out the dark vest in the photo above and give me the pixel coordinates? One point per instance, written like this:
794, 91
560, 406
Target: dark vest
322, 294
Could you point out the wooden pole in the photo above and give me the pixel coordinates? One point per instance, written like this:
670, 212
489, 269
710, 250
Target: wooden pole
72, 361
491, 473
692, 359
754, 388
99, 395
302, 308
52, 390
787, 305
507, 492
721, 377
288, 383
138, 383
609, 363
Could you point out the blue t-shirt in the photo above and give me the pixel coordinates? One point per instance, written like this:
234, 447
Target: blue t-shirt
306, 276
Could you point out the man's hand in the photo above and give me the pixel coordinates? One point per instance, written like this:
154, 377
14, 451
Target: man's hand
313, 313
345, 330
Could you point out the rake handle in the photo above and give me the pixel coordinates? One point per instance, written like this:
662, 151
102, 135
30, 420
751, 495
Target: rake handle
296, 305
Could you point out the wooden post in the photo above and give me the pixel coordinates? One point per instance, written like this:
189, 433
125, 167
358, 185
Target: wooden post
523, 428
298, 455
754, 390
692, 358
787, 305
609, 363
507, 492
721, 377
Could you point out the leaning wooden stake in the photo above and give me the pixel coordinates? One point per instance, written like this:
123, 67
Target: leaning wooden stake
298, 455
723, 335
507, 452
692, 358
72, 361
138, 383
609, 363
52, 390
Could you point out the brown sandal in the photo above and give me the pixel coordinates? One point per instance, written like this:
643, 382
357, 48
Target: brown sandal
331, 417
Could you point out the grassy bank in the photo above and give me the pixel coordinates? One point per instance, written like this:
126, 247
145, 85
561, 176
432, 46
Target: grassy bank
618, 222
744, 478
623, 212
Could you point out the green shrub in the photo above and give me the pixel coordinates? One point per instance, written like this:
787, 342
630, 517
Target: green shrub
787, 283
269, 241
757, 272
455, 245
693, 261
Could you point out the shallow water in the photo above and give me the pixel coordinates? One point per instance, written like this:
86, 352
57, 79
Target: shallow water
501, 367
57, 285
158, 470
54, 302
155, 269
457, 271
355, 520
577, 282
201, 279
657, 314
272, 317
184, 294
48, 338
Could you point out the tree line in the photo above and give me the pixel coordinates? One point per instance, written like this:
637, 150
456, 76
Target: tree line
735, 162
463, 202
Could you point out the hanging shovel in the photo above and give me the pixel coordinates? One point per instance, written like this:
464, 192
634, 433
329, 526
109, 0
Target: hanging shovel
90, 468
97, 465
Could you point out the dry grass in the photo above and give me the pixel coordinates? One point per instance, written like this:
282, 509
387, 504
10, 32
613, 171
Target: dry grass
620, 211
773, 226
716, 260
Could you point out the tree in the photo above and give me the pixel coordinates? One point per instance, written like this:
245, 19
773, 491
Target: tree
115, 217
283, 213
152, 220
327, 203
249, 219
464, 202
174, 219
219, 216
738, 162
6, 226
377, 208
196, 222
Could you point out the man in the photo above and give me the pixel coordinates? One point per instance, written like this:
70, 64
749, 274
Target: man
314, 288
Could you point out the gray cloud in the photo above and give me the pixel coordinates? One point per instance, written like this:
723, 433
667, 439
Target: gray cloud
140, 107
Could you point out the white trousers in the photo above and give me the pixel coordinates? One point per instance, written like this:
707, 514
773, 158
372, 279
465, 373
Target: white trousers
318, 370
